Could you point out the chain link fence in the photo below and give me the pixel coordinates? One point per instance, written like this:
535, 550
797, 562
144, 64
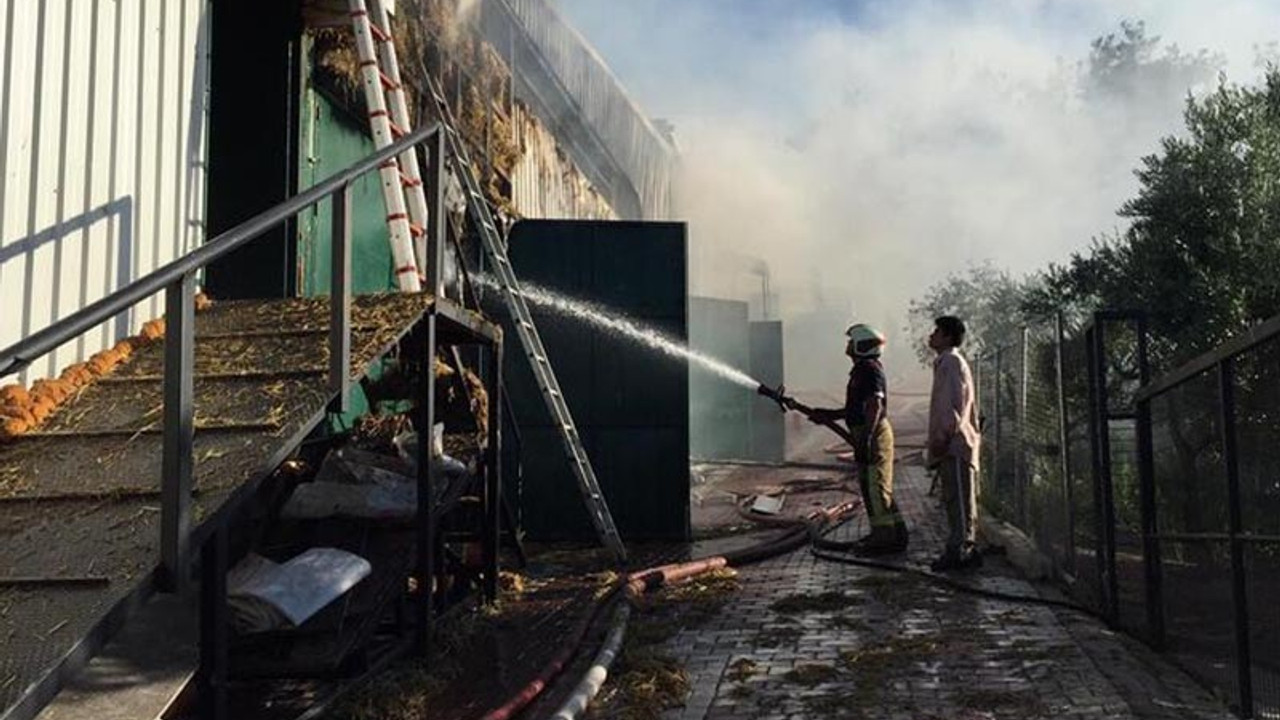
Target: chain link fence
1061, 455
1157, 503
1210, 437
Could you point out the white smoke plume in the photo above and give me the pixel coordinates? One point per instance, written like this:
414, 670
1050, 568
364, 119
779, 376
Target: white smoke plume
864, 150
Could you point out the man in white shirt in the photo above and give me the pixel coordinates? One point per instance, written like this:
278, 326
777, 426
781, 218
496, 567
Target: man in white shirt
954, 439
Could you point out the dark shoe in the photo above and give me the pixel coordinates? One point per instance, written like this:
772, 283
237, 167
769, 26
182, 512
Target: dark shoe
956, 561
882, 541
947, 561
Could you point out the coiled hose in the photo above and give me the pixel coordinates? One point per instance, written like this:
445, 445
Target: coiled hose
799, 533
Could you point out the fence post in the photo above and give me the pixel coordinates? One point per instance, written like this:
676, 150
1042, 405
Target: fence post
1064, 444
1239, 590
1022, 471
1153, 570
997, 485
1106, 490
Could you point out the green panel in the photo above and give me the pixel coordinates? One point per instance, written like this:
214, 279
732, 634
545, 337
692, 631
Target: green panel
331, 141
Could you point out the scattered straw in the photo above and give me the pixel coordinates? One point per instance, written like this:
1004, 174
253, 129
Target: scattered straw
815, 603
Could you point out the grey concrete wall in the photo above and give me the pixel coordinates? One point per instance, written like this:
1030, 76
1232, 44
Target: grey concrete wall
719, 410
768, 429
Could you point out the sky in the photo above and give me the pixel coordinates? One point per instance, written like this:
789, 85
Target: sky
864, 149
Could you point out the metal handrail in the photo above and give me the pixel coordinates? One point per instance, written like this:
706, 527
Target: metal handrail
1242, 343
177, 280
22, 353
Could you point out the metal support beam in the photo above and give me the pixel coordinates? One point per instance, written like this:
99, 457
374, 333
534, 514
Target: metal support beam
340, 301
1239, 588
428, 471
215, 629
179, 431
493, 477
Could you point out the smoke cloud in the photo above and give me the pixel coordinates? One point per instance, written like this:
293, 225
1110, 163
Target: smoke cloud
864, 150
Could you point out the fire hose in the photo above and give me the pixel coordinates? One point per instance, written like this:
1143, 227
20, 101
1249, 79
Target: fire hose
637, 584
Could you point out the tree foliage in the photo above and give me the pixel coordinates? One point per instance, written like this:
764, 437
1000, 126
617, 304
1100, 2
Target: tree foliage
990, 300
1201, 251
1201, 254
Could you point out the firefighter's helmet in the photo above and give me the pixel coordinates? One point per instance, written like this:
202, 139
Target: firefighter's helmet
864, 340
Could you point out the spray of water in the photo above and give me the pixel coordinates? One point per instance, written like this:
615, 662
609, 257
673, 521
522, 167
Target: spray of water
609, 321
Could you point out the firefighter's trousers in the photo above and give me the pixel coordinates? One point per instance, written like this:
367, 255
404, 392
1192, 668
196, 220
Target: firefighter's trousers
875, 477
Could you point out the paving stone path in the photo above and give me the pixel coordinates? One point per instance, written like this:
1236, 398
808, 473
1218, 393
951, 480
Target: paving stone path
806, 638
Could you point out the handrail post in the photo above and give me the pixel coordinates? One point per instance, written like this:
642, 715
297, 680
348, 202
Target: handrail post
179, 431
437, 223
340, 300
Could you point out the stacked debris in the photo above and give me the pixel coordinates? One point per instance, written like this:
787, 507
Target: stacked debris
24, 410
430, 38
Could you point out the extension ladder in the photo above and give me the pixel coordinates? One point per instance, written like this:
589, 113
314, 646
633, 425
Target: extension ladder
496, 249
388, 121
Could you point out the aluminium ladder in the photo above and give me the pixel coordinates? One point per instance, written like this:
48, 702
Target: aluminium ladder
496, 249
388, 121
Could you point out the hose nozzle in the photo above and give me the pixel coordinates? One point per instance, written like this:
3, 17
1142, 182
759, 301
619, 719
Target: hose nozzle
778, 395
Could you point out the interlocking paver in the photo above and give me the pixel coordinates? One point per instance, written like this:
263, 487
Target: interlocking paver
903, 647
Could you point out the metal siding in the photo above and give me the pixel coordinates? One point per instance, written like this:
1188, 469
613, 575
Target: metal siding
72, 170
588, 86
101, 156
545, 184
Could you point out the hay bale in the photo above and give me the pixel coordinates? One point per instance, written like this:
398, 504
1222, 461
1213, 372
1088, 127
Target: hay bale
14, 394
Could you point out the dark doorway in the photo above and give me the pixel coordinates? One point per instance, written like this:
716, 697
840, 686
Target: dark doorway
252, 136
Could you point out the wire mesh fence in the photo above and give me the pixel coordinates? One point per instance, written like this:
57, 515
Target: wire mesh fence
1158, 503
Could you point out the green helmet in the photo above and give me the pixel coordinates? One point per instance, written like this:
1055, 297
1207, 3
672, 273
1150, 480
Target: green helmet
865, 340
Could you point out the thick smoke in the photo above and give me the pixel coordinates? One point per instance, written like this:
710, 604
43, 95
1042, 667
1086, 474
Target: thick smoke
866, 149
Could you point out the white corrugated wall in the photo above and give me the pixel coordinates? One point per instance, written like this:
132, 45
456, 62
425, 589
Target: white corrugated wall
545, 183
102, 156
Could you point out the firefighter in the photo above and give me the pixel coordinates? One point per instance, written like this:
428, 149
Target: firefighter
864, 414
954, 439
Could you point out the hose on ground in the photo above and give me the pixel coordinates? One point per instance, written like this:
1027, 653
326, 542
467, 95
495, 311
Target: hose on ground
517, 702
798, 534
595, 676
951, 583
